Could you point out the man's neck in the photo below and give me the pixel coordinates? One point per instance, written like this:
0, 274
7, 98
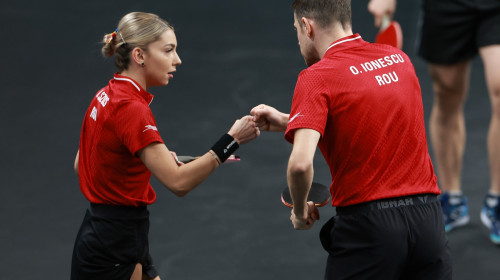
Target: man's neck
326, 37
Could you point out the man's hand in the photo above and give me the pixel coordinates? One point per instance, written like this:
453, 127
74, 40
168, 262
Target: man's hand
306, 219
269, 119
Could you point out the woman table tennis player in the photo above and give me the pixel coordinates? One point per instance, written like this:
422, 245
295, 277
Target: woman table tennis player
120, 148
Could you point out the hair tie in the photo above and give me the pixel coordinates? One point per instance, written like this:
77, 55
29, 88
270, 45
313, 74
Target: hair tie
111, 36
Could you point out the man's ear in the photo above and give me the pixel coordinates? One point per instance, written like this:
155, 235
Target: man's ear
308, 26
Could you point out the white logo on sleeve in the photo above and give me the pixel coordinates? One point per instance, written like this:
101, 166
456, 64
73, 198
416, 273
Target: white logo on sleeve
294, 117
93, 114
150, 127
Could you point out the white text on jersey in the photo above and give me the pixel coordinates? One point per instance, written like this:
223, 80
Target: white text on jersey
102, 97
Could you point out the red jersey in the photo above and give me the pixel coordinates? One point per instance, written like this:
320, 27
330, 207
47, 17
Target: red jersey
118, 123
365, 100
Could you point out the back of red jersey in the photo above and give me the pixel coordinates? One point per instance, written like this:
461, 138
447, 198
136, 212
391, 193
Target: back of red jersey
365, 100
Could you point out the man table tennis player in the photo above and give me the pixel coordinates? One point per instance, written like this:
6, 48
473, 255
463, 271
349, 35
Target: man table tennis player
361, 104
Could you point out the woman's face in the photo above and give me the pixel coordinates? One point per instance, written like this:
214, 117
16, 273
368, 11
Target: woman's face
161, 60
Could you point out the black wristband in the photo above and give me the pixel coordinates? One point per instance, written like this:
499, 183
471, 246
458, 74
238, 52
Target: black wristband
225, 147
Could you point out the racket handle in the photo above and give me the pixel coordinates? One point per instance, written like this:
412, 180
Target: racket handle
186, 159
386, 20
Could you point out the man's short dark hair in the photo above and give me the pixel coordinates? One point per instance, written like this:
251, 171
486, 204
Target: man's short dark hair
324, 12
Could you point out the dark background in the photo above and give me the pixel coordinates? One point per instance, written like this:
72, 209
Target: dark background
236, 54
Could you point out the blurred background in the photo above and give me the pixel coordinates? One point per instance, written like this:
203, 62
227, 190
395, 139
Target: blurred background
236, 54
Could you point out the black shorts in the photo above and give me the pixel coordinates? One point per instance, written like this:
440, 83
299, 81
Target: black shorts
110, 243
453, 30
390, 239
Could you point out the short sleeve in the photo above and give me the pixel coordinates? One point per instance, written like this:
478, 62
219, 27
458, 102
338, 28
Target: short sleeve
309, 105
136, 126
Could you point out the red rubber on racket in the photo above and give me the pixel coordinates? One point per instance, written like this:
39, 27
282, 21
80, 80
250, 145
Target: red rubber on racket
390, 33
319, 194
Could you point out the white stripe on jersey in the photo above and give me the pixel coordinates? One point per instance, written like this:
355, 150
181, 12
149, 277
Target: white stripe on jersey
343, 41
128, 80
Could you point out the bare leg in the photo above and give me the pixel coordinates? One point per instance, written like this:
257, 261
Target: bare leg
447, 124
491, 60
137, 275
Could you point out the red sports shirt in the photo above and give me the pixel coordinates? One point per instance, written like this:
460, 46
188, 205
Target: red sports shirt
365, 100
118, 123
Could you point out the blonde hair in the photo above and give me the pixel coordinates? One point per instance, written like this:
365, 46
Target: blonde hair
135, 29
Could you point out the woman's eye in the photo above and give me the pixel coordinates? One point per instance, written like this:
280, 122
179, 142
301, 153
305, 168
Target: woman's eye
169, 50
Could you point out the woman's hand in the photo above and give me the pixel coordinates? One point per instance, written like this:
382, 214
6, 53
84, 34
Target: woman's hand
244, 130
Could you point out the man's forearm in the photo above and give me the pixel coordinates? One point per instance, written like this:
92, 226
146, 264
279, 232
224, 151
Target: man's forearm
299, 176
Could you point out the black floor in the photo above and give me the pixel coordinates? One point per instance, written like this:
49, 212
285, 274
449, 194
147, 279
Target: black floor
236, 54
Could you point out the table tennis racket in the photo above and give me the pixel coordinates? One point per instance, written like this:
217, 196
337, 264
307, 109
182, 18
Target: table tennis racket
319, 194
186, 159
390, 33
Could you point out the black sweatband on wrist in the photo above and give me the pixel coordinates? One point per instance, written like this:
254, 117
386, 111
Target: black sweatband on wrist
225, 147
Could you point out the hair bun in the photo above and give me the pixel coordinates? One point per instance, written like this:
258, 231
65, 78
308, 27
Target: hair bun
108, 48
136, 29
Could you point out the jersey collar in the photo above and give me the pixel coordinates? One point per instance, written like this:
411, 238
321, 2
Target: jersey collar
345, 43
148, 97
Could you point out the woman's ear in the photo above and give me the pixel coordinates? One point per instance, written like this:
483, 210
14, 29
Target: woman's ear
137, 55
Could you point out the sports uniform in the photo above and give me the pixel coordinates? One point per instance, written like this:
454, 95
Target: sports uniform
365, 101
454, 30
113, 237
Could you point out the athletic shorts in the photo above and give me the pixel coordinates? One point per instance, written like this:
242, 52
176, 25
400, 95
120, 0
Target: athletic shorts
453, 30
390, 239
110, 243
